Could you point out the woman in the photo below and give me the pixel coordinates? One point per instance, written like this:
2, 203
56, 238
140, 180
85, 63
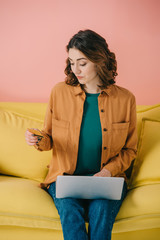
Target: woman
91, 125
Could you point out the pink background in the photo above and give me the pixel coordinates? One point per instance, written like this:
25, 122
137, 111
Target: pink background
34, 33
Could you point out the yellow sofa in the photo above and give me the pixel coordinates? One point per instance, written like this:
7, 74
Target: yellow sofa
27, 211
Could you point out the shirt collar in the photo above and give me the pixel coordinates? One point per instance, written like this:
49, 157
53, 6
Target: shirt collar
108, 90
78, 90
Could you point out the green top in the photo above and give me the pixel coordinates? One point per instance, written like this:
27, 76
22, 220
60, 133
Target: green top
90, 141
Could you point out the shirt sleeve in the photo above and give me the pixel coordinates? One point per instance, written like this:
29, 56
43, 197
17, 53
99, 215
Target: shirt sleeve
123, 159
47, 128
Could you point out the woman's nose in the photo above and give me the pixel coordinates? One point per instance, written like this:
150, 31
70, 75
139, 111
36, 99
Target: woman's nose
76, 70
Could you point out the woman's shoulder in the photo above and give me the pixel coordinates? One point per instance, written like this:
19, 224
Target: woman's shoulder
60, 87
123, 92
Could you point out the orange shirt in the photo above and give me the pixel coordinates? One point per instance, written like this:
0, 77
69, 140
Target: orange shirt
117, 109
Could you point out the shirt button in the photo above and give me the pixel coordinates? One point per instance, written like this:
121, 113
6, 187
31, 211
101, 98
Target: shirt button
102, 110
104, 129
105, 148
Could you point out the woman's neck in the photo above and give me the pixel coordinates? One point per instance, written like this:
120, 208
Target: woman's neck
92, 90
92, 87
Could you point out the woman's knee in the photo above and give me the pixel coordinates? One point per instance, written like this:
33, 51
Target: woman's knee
98, 208
69, 207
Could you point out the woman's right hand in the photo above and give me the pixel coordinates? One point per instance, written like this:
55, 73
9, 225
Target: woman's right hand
31, 140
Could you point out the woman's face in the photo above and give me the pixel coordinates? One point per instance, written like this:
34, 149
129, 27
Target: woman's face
82, 67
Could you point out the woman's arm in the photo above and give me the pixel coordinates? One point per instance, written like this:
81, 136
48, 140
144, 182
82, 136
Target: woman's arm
42, 140
47, 129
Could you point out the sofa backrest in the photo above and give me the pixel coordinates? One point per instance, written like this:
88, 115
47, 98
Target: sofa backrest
16, 157
150, 112
19, 159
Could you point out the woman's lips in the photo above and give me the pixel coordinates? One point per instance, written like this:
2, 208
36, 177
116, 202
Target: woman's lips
79, 77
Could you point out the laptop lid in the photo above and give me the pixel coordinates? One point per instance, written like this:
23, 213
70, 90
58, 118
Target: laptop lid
89, 187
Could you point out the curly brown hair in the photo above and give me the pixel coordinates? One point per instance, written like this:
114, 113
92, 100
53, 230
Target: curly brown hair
95, 48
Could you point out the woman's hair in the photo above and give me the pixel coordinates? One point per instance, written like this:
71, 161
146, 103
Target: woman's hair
95, 48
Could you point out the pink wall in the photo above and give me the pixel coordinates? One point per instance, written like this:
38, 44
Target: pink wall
34, 33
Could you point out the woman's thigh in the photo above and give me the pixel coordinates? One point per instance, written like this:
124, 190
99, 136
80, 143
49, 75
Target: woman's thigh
66, 204
105, 208
92, 208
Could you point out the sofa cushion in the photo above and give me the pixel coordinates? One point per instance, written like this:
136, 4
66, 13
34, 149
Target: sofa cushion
23, 203
139, 210
147, 112
147, 164
16, 157
144, 112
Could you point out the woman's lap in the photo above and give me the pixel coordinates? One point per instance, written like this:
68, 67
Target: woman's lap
100, 213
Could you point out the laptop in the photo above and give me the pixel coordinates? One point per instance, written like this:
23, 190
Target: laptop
89, 187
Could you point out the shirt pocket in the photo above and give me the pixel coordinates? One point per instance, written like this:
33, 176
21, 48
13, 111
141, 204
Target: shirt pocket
60, 132
119, 134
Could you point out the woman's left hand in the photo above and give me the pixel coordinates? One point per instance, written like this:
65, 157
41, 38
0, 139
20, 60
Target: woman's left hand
103, 173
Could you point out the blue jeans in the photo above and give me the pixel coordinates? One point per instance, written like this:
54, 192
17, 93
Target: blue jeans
100, 214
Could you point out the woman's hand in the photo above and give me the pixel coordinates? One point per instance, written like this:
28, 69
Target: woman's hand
103, 173
30, 138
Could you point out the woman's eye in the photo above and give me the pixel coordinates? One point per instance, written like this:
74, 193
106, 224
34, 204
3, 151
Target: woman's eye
83, 64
